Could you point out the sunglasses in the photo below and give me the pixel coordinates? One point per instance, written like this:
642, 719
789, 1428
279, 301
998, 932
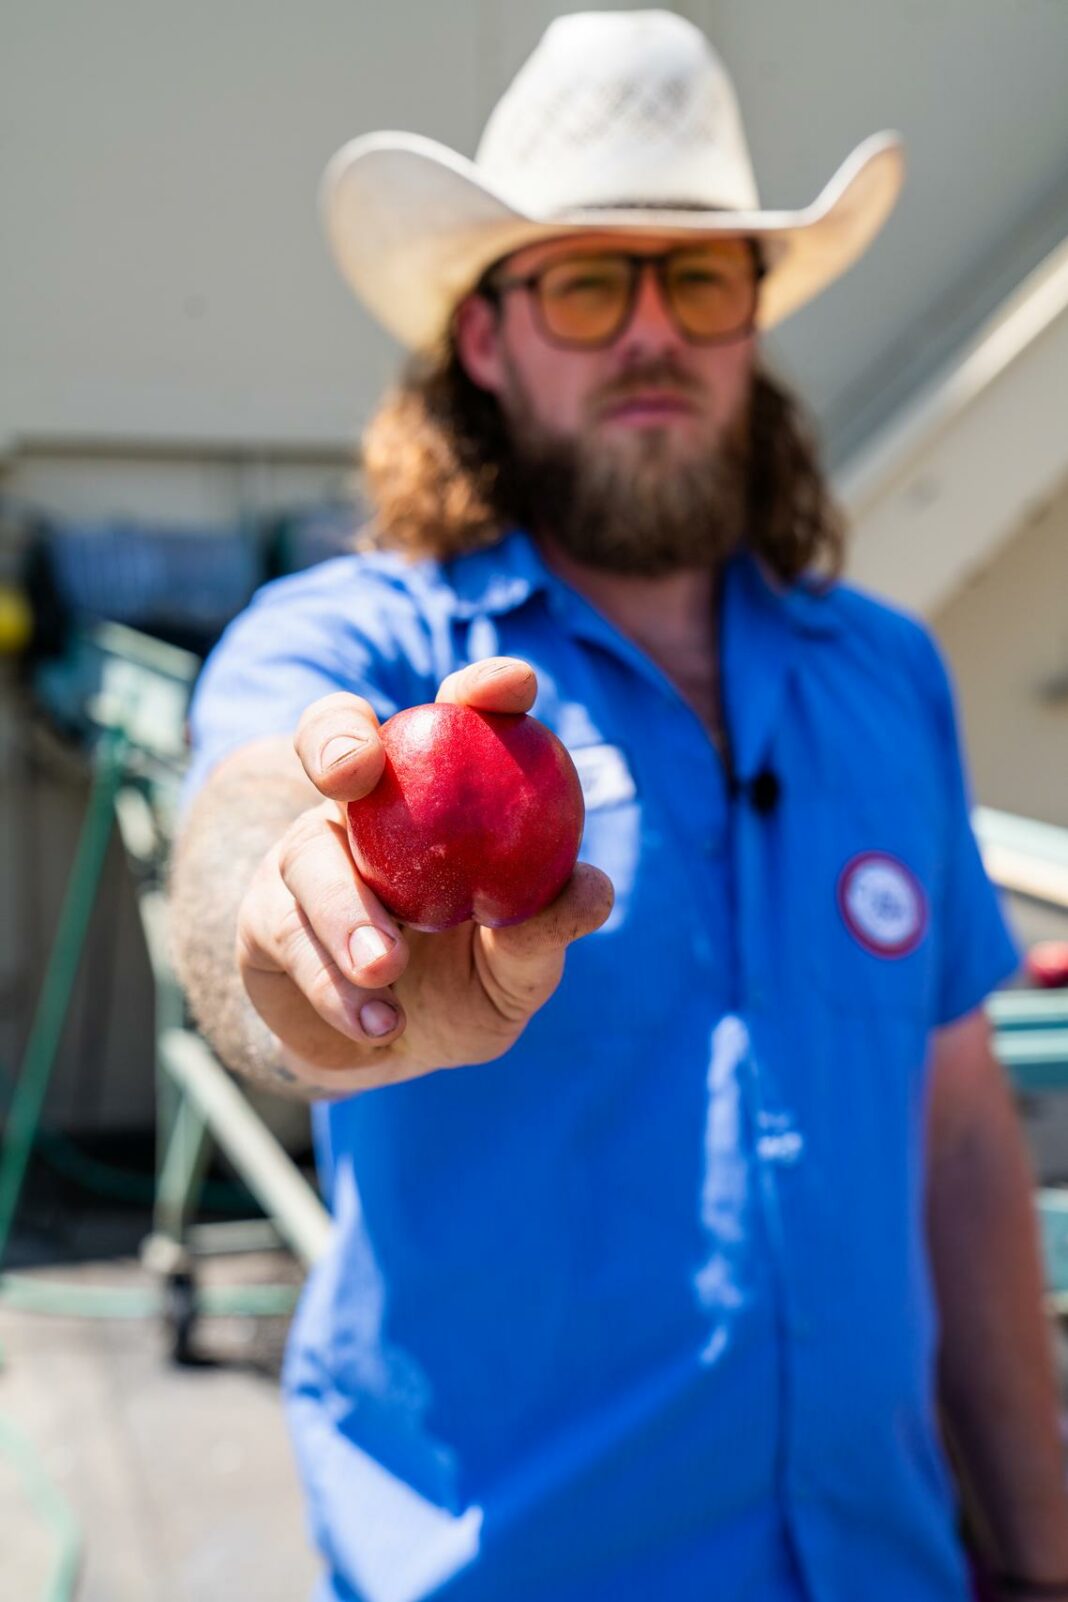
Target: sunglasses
584, 302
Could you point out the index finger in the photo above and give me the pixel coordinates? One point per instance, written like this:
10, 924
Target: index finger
497, 684
337, 742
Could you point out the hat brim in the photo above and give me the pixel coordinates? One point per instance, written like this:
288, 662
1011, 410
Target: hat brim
413, 226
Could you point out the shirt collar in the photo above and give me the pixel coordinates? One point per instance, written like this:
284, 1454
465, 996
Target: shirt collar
505, 576
499, 579
802, 605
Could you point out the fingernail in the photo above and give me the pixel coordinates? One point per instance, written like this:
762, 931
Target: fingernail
378, 1017
491, 672
338, 750
368, 944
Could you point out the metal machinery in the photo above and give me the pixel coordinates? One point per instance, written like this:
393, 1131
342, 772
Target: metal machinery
120, 695
138, 710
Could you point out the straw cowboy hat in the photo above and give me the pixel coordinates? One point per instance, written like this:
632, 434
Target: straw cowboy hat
619, 120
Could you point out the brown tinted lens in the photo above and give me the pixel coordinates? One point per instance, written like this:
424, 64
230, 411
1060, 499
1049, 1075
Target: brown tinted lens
712, 290
584, 299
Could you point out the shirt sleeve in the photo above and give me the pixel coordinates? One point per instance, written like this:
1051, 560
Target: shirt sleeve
299, 639
977, 951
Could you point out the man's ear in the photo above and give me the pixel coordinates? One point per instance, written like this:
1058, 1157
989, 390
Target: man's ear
477, 332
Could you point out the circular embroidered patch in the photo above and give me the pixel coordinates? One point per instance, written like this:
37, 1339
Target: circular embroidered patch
882, 904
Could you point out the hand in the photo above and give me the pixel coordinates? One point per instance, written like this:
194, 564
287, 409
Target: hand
354, 999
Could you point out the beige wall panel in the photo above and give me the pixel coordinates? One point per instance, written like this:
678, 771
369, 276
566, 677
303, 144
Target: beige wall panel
198, 491
1006, 634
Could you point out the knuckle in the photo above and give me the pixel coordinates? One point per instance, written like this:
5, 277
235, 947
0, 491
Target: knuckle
323, 989
291, 939
248, 946
336, 911
300, 840
312, 879
252, 925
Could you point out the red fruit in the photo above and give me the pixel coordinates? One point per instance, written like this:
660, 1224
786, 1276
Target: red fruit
1047, 963
476, 815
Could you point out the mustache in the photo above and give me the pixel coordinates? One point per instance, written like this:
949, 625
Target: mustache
662, 375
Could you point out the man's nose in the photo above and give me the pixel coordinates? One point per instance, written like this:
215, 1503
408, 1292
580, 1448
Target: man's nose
651, 326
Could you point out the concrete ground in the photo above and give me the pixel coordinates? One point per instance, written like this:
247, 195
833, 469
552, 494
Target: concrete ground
180, 1478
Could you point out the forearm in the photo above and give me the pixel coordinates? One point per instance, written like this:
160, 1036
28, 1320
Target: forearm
997, 1372
242, 811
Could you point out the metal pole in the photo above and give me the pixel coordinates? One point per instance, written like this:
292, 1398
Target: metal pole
24, 1114
261, 1160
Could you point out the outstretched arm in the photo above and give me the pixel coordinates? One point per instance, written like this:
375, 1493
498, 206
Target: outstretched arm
266, 901
244, 809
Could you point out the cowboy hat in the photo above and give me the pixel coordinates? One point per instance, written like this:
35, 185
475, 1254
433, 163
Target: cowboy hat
625, 121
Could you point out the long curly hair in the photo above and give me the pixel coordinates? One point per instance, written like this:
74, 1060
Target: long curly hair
436, 459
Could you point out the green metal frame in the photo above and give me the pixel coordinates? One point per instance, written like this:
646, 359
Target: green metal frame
200, 1107
140, 691
24, 1113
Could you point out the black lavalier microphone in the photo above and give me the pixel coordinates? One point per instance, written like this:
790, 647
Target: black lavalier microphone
762, 791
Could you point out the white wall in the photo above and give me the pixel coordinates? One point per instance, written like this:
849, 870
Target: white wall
189, 487
162, 272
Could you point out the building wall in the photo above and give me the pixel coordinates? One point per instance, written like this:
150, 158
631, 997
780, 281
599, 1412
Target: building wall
165, 275
157, 488
1006, 635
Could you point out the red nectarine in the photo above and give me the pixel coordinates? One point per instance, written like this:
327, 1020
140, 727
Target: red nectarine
477, 815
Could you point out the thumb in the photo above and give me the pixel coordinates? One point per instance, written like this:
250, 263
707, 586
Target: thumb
520, 966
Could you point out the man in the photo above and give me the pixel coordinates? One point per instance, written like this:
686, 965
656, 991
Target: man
653, 1295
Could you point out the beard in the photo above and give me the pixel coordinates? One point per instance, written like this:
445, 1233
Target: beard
640, 506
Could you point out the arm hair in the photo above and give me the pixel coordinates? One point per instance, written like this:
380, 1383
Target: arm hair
246, 805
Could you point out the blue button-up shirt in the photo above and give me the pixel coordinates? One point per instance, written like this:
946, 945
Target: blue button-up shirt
644, 1309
